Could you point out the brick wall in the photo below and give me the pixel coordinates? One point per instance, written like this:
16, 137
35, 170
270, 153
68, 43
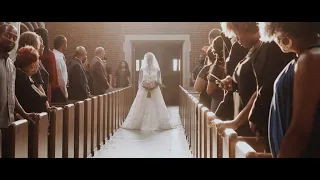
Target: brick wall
110, 35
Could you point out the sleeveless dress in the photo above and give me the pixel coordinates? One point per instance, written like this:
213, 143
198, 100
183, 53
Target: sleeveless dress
281, 115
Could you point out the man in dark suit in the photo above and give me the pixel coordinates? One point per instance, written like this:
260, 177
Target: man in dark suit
78, 83
98, 72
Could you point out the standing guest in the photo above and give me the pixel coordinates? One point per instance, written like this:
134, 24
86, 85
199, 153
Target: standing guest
99, 75
123, 75
8, 100
78, 83
60, 94
295, 109
49, 62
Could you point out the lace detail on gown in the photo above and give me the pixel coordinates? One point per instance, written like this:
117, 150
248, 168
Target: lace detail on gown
149, 114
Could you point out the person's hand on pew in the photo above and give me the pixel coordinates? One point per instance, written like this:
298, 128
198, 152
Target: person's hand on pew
52, 108
31, 117
222, 125
17, 117
211, 123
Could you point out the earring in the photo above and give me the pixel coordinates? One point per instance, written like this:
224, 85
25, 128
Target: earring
287, 46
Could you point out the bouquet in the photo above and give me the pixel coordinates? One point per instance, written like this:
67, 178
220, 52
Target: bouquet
150, 85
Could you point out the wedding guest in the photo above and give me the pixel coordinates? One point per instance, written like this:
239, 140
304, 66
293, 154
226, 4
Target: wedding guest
49, 62
99, 75
60, 94
295, 109
123, 75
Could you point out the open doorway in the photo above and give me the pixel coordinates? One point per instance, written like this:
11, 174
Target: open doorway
169, 56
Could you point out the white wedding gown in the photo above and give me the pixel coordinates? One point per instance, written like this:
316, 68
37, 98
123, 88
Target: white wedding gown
149, 114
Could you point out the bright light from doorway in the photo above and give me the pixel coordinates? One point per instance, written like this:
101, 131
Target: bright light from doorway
137, 65
176, 64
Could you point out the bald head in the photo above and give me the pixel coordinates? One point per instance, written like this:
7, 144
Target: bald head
80, 50
81, 53
100, 52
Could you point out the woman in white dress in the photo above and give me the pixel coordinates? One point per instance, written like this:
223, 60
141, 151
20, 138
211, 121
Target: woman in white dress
149, 113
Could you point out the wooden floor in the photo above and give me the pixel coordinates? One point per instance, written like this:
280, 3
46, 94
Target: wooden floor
158, 144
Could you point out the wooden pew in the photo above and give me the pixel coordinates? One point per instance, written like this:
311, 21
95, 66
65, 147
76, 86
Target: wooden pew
184, 117
122, 105
55, 138
94, 124
106, 132
125, 104
215, 141
0, 144
79, 130
87, 127
229, 143
113, 109
184, 107
194, 126
244, 150
62, 104
203, 132
188, 120
231, 138
198, 135
181, 96
15, 140
68, 131
117, 110
38, 138
126, 99
110, 114
209, 136
100, 123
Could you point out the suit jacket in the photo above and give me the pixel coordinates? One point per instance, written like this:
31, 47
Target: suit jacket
99, 76
78, 83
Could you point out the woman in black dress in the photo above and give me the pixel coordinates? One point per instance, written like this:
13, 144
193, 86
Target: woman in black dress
226, 109
199, 66
31, 98
201, 81
123, 75
253, 79
218, 70
41, 77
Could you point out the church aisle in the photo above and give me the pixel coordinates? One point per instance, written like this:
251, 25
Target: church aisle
159, 144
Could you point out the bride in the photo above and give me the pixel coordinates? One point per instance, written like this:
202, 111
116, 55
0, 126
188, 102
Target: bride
148, 111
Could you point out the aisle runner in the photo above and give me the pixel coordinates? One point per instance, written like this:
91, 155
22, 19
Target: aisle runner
135, 144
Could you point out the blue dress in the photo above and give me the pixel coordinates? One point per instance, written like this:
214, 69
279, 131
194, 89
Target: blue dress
281, 115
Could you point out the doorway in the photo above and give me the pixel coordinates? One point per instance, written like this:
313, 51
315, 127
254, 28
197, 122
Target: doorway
169, 56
